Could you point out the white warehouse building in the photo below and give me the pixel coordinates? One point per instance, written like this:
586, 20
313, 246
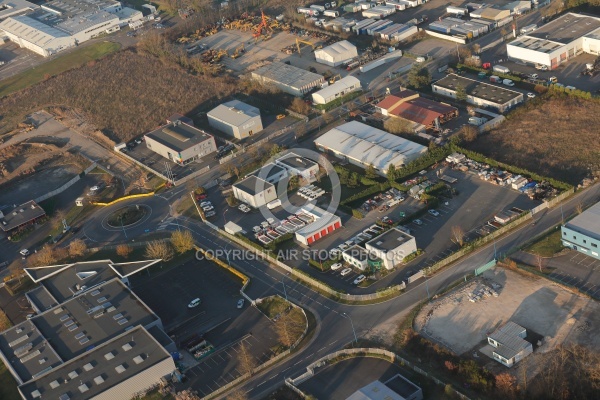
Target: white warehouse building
236, 119
340, 88
61, 24
558, 41
336, 54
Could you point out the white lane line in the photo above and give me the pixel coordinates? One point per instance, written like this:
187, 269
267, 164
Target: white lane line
330, 344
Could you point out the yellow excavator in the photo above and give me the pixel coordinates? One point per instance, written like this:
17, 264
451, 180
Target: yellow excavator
298, 41
333, 79
238, 51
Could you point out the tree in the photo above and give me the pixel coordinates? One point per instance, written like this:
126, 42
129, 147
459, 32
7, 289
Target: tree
231, 201
57, 218
397, 125
476, 48
159, 250
274, 150
579, 208
237, 394
182, 241
4, 321
469, 133
77, 248
506, 384
458, 235
298, 105
540, 89
461, 93
247, 363
124, 250
293, 182
539, 261
290, 327
16, 269
391, 173
370, 172
43, 257
464, 53
418, 76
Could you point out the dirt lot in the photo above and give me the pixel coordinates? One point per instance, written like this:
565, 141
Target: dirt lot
553, 136
560, 316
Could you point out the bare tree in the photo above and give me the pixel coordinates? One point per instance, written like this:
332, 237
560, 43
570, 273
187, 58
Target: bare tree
469, 133
539, 261
247, 363
57, 218
16, 269
289, 327
77, 248
579, 208
159, 250
4, 321
458, 235
123, 250
45, 256
182, 241
506, 385
237, 394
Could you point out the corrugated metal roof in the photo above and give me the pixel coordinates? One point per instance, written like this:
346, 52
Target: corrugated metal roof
510, 342
340, 86
339, 50
588, 222
32, 30
234, 112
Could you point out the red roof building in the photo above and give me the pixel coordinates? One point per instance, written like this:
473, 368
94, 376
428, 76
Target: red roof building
410, 106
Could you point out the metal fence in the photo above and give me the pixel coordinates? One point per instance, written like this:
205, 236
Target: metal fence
485, 267
66, 185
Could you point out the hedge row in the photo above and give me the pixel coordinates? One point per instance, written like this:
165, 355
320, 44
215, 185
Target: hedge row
367, 192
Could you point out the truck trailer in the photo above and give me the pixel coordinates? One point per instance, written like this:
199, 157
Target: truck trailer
500, 69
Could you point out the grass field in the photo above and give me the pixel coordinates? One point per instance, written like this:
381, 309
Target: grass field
555, 136
57, 66
547, 246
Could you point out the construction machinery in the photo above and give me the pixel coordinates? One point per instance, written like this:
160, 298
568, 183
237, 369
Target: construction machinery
298, 41
263, 26
238, 51
334, 78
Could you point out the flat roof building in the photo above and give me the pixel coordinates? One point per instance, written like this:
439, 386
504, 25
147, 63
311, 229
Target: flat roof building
392, 246
21, 216
9, 8
410, 106
301, 166
180, 142
287, 78
509, 344
395, 388
339, 89
582, 233
479, 93
336, 54
236, 119
324, 223
363, 145
357, 256
557, 41
254, 191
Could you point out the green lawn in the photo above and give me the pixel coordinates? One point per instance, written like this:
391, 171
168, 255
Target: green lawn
8, 386
273, 306
57, 66
547, 246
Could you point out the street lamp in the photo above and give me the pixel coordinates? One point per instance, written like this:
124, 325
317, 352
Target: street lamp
284, 292
123, 227
224, 220
351, 324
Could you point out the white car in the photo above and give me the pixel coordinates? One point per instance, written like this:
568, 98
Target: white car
271, 221
24, 252
434, 213
208, 208
418, 222
205, 204
534, 76
346, 271
359, 279
333, 253
531, 95
194, 303
256, 229
336, 266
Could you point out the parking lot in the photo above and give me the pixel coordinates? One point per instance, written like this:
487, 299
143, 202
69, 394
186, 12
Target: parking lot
16, 59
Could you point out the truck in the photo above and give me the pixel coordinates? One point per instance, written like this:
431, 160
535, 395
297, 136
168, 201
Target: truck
457, 10
528, 28
500, 69
331, 13
318, 8
508, 82
307, 11
495, 79
477, 121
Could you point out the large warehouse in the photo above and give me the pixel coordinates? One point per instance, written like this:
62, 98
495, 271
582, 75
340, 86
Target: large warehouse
409, 105
478, 93
287, 78
558, 41
8, 8
236, 119
180, 142
363, 145
60, 24
582, 233
336, 54
339, 89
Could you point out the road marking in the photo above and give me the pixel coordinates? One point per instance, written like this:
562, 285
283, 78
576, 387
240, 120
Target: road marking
330, 344
262, 383
322, 348
298, 362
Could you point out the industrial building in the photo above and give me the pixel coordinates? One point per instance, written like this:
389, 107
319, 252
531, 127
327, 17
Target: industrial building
324, 223
98, 343
300, 166
408, 105
558, 41
363, 145
180, 142
21, 216
499, 15
8, 8
582, 233
479, 93
60, 24
254, 191
287, 78
460, 28
236, 119
339, 89
509, 344
271, 173
357, 256
336, 54
392, 246
395, 388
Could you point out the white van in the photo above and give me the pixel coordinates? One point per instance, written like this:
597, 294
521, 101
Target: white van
477, 121
274, 204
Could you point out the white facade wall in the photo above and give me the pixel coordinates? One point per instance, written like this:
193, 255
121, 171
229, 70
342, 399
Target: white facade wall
198, 151
393, 258
477, 100
257, 200
342, 87
591, 45
250, 127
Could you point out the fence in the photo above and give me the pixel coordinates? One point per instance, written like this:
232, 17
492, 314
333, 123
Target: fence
360, 352
66, 185
492, 123
485, 267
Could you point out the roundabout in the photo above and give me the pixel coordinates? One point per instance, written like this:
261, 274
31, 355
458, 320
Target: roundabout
127, 216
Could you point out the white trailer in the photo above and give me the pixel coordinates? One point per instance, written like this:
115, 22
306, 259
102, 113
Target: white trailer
457, 10
307, 11
500, 69
397, 5
318, 8
372, 14
528, 28
331, 13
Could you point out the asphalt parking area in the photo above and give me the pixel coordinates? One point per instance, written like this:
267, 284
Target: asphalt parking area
578, 270
16, 59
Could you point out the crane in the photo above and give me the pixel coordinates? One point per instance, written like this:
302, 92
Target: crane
298, 41
263, 25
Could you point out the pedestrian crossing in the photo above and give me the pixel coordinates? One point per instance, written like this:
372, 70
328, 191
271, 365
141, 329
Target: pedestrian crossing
163, 225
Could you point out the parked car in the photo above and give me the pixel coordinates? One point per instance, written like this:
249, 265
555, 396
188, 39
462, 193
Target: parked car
336, 266
210, 214
24, 253
205, 204
194, 303
418, 222
531, 95
256, 229
208, 208
333, 253
240, 303
346, 271
434, 213
534, 76
359, 279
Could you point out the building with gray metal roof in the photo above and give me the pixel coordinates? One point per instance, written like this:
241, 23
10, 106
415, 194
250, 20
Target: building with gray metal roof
236, 119
180, 142
509, 344
582, 233
9, 8
254, 191
392, 246
288, 78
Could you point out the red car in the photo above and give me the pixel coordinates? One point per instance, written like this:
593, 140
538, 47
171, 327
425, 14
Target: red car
200, 197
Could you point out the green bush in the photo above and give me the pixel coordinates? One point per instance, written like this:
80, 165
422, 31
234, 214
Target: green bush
356, 213
367, 182
371, 190
339, 101
324, 265
412, 256
283, 238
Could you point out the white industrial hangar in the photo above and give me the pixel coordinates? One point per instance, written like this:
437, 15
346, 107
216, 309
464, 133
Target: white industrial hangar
340, 88
9, 8
558, 41
336, 54
288, 78
363, 145
236, 119
60, 24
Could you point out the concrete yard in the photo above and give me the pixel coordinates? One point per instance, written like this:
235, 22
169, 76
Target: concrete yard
539, 305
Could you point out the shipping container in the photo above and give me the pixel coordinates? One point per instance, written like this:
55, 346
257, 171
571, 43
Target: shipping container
331, 13
318, 8
372, 14
308, 11
457, 10
359, 25
501, 69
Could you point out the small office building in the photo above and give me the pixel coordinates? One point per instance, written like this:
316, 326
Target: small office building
582, 233
180, 142
324, 223
300, 166
21, 216
287, 78
236, 119
357, 256
254, 191
509, 344
339, 89
392, 246
271, 173
336, 54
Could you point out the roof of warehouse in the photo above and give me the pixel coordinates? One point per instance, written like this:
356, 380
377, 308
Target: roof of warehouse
370, 145
588, 222
23, 214
510, 342
178, 136
104, 367
567, 28
253, 185
491, 93
288, 75
420, 110
32, 30
12, 7
234, 112
390, 239
339, 48
337, 87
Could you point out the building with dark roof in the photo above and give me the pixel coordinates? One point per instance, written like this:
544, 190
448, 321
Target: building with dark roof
479, 93
254, 191
582, 233
287, 78
180, 142
298, 165
509, 344
392, 246
410, 106
395, 388
21, 216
